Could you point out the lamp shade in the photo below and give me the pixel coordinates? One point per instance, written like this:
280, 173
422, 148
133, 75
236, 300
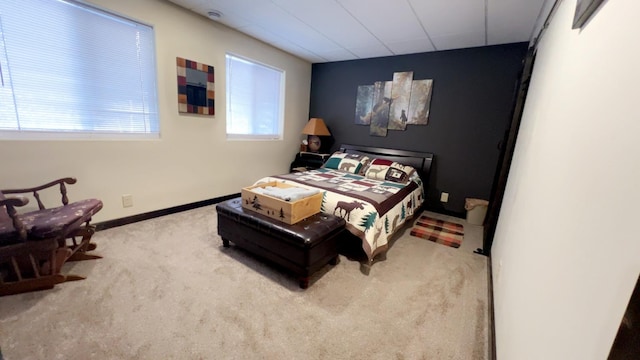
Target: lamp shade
316, 126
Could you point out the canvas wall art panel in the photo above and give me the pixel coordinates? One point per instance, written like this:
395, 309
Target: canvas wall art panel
400, 96
364, 105
392, 105
380, 113
420, 102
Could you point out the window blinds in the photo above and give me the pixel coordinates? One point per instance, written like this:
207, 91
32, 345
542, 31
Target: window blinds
254, 99
71, 67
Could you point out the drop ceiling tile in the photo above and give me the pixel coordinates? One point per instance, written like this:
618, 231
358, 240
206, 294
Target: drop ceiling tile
388, 20
297, 32
296, 50
411, 46
231, 15
363, 52
268, 15
316, 60
310, 57
230, 18
189, 4
330, 19
279, 42
338, 55
450, 16
300, 52
458, 40
512, 20
347, 29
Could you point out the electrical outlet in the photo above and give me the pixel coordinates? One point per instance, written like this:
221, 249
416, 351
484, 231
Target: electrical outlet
127, 200
444, 197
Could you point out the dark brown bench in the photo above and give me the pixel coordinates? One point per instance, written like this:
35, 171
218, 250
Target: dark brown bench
303, 248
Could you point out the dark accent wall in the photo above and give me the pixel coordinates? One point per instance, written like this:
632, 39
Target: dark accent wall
472, 103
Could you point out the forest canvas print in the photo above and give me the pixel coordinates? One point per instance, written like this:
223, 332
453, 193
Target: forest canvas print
420, 102
400, 95
364, 104
380, 112
392, 105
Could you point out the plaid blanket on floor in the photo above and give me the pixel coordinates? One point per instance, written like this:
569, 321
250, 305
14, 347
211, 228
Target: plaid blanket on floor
439, 231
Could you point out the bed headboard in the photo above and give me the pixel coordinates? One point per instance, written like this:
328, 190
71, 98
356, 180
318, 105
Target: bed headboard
421, 161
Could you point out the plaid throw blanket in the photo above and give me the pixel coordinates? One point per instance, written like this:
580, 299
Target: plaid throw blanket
439, 231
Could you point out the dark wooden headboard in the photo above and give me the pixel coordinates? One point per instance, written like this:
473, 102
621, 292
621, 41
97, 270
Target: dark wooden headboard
421, 161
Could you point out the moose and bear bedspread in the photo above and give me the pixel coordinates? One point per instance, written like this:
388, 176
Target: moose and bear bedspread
373, 209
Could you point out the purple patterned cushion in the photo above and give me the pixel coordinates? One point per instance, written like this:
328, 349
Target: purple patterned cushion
42, 224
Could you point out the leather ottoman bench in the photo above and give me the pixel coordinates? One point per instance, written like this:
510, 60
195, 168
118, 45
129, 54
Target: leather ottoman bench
303, 248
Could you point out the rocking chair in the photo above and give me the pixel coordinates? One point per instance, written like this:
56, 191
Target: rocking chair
34, 245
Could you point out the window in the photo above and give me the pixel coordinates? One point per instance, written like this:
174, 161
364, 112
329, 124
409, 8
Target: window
68, 68
255, 98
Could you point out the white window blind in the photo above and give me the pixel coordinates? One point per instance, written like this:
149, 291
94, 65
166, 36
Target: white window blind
255, 98
69, 67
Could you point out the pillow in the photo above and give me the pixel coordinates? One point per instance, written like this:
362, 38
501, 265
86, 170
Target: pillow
351, 163
387, 170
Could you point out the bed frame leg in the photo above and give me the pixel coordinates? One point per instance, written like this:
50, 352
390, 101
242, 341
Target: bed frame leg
365, 268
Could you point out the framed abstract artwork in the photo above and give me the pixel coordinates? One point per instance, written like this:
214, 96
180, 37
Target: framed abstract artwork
196, 87
584, 11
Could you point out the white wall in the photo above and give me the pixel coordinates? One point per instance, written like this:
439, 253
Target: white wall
567, 251
192, 161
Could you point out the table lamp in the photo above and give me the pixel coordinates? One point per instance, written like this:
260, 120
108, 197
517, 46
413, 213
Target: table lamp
314, 129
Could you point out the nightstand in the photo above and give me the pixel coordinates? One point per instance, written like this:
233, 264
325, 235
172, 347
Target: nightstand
308, 161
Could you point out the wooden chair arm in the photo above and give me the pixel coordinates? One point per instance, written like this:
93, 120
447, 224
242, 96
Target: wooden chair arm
14, 201
11, 203
34, 190
41, 187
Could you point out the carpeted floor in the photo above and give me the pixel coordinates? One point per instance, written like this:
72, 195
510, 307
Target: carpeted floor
167, 289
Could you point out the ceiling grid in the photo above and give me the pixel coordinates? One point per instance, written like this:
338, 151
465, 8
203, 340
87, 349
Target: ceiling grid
335, 30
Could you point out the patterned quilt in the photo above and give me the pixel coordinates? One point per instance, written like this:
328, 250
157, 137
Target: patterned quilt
373, 209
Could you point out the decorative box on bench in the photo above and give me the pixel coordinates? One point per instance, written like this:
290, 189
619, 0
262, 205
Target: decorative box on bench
289, 212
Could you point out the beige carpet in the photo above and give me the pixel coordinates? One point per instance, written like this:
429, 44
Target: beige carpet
167, 289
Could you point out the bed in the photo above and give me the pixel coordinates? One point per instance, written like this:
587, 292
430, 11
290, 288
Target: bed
376, 190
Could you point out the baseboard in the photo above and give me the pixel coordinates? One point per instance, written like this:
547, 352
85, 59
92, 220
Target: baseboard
492, 318
157, 213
